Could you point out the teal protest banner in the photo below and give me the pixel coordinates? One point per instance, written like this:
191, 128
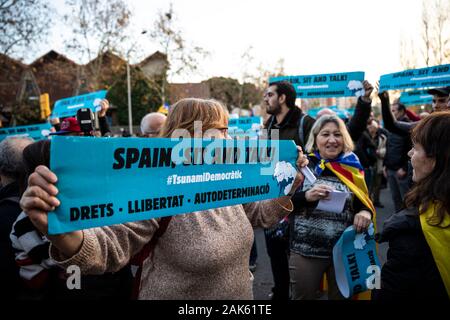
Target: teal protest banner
438, 76
35, 131
245, 127
68, 107
108, 181
326, 85
341, 113
356, 263
416, 97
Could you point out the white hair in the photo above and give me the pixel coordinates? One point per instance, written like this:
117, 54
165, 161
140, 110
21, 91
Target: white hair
145, 122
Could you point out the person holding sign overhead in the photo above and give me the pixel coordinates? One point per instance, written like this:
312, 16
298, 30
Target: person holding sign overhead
70, 126
418, 259
199, 255
325, 207
441, 102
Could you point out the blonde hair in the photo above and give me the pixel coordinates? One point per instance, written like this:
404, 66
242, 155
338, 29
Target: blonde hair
183, 113
320, 123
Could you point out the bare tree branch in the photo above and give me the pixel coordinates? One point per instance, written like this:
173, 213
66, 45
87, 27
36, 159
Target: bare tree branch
99, 26
184, 59
23, 24
435, 35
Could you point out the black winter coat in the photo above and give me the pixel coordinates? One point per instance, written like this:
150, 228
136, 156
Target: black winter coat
410, 271
397, 148
9, 211
366, 150
289, 127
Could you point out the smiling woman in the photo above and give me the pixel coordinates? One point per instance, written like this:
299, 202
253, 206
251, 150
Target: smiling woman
315, 231
330, 137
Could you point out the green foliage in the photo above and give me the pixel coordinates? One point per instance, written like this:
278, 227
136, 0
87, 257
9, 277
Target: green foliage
27, 113
144, 97
251, 95
225, 90
230, 92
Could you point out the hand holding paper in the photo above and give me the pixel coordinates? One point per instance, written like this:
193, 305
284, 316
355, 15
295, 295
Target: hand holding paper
318, 192
334, 203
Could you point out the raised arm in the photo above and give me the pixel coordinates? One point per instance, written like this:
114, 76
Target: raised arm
390, 123
358, 123
103, 123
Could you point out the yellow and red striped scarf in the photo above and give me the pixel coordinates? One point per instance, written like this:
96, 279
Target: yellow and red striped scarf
348, 169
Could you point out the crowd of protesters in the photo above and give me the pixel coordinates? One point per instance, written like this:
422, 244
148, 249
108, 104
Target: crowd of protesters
409, 154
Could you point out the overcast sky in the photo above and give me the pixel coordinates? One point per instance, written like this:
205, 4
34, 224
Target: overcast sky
313, 37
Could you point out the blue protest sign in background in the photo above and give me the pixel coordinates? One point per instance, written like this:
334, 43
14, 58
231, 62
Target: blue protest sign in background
69, 106
326, 85
416, 97
438, 76
109, 181
244, 127
353, 254
343, 114
35, 131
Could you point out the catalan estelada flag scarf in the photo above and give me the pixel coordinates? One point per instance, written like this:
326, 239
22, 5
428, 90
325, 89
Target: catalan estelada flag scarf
438, 238
349, 170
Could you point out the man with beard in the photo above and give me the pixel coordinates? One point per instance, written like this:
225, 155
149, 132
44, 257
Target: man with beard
286, 118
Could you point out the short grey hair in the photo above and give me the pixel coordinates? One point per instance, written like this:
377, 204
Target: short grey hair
146, 120
11, 161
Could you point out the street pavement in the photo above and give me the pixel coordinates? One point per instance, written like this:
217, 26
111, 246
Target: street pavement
263, 281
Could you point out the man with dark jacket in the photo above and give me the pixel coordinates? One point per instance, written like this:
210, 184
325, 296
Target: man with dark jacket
289, 122
11, 170
284, 124
396, 159
441, 102
365, 149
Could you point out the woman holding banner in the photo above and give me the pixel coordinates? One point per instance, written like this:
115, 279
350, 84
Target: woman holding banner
418, 264
315, 229
200, 255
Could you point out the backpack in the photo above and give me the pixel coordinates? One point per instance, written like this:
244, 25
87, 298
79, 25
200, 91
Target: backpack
137, 261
